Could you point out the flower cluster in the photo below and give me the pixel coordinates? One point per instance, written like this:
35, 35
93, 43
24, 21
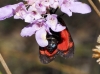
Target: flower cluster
97, 51
40, 16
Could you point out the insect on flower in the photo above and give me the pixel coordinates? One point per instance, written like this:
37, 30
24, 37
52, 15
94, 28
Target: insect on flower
58, 43
50, 30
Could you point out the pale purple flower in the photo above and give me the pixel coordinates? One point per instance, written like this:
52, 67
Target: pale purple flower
8, 11
41, 37
32, 8
69, 6
54, 3
40, 8
51, 20
32, 28
28, 15
32, 16
37, 14
37, 7
53, 23
29, 18
39, 29
20, 12
46, 3
29, 30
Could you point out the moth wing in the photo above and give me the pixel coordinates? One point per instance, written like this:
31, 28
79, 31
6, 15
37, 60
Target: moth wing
45, 56
66, 46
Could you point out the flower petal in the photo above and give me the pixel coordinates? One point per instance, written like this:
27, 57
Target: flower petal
29, 30
20, 12
51, 20
40, 8
8, 11
54, 3
29, 18
78, 7
48, 29
40, 36
58, 28
66, 10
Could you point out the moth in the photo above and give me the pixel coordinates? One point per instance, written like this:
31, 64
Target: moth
59, 43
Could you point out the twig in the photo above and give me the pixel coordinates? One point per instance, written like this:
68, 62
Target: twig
4, 65
95, 8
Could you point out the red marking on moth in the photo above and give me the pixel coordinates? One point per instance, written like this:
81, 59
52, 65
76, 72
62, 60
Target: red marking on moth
50, 54
71, 44
47, 53
42, 52
64, 45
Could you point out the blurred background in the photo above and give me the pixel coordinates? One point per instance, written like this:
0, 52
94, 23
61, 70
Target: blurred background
22, 54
